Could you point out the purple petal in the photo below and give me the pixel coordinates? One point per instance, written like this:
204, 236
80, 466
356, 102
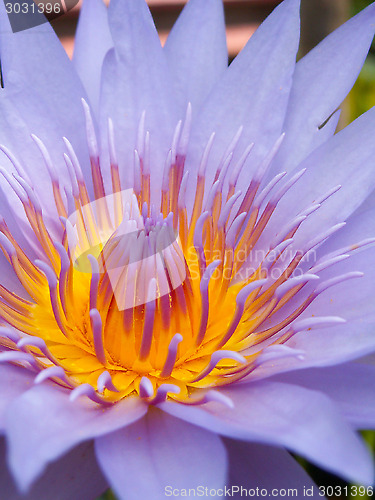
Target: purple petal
324, 347
136, 78
43, 424
73, 477
252, 93
359, 226
253, 465
321, 81
161, 452
41, 95
92, 41
15, 381
302, 420
9, 279
196, 50
349, 300
350, 386
347, 160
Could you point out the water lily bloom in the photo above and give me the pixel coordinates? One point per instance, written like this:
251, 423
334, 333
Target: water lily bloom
187, 266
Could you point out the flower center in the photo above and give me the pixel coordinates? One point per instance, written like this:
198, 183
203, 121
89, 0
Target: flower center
129, 299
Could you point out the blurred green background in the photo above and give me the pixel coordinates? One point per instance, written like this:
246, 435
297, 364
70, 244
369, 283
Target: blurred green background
362, 97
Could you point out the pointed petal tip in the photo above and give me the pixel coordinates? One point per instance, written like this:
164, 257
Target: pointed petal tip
291, 4
368, 11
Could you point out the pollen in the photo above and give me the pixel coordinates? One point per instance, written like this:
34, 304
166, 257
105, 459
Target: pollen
158, 300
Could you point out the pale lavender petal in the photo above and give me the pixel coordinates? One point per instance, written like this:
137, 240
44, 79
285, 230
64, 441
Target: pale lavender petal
350, 386
301, 420
351, 299
74, 477
43, 424
15, 380
321, 81
157, 452
348, 300
92, 41
136, 78
16, 219
271, 469
196, 51
359, 226
9, 279
346, 160
41, 95
324, 347
252, 93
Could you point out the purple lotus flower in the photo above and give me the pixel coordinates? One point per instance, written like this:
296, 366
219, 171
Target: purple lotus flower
188, 276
